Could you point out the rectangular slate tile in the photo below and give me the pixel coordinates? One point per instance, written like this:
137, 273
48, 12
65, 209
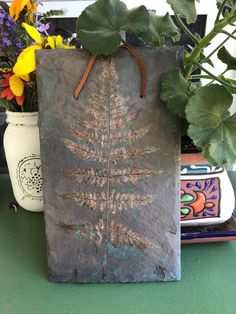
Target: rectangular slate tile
110, 168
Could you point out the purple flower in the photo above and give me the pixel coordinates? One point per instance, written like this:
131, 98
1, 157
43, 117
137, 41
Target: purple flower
19, 45
6, 41
43, 27
10, 41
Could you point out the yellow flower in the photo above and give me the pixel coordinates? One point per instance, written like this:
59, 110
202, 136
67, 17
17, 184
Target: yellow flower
18, 5
26, 61
17, 85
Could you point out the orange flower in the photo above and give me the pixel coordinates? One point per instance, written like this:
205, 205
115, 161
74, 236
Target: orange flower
8, 93
19, 5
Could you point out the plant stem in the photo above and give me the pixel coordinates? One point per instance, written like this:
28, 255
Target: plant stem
233, 8
217, 48
185, 29
195, 76
203, 43
228, 34
218, 76
213, 76
220, 10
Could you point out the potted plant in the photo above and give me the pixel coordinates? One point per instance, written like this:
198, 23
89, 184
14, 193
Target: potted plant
203, 110
19, 27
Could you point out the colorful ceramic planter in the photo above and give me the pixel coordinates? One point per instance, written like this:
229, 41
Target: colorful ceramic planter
207, 195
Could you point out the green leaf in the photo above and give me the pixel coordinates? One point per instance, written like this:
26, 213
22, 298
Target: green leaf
226, 58
160, 27
211, 126
175, 92
185, 8
100, 24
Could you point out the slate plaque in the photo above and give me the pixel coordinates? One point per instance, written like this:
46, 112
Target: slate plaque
110, 168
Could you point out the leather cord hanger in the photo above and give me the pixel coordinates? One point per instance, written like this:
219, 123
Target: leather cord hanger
139, 60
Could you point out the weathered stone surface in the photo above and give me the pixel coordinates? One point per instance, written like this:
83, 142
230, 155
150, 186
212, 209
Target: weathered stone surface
110, 169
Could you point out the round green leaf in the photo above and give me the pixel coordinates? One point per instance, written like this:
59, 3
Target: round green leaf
100, 24
160, 27
185, 8
175, 92
136, 20
211, 126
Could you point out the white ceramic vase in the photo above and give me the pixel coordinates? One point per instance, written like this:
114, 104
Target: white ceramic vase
22, 149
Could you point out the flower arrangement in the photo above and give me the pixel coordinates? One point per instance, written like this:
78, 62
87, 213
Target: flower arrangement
203, 110
21, 33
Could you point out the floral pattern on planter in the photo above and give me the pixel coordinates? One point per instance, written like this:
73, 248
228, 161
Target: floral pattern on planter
22, 148
29, 176
200, 198
207, 196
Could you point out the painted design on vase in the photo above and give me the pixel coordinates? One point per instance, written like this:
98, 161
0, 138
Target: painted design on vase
105, 137
200, 198
200, 169
29, 177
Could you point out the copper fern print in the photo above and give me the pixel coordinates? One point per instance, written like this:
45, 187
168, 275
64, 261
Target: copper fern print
119, 235
105, 136
89, 231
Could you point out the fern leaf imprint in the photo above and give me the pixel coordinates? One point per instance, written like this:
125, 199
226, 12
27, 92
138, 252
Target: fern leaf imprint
120, 235
89, 231
117, 201
98, 177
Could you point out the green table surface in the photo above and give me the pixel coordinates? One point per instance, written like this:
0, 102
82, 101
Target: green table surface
208, 282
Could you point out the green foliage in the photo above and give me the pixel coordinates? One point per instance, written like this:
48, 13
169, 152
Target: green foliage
100, 24
51, 13
175, 91
210, 125
227, 6
185, 8
226, 58
160, 28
